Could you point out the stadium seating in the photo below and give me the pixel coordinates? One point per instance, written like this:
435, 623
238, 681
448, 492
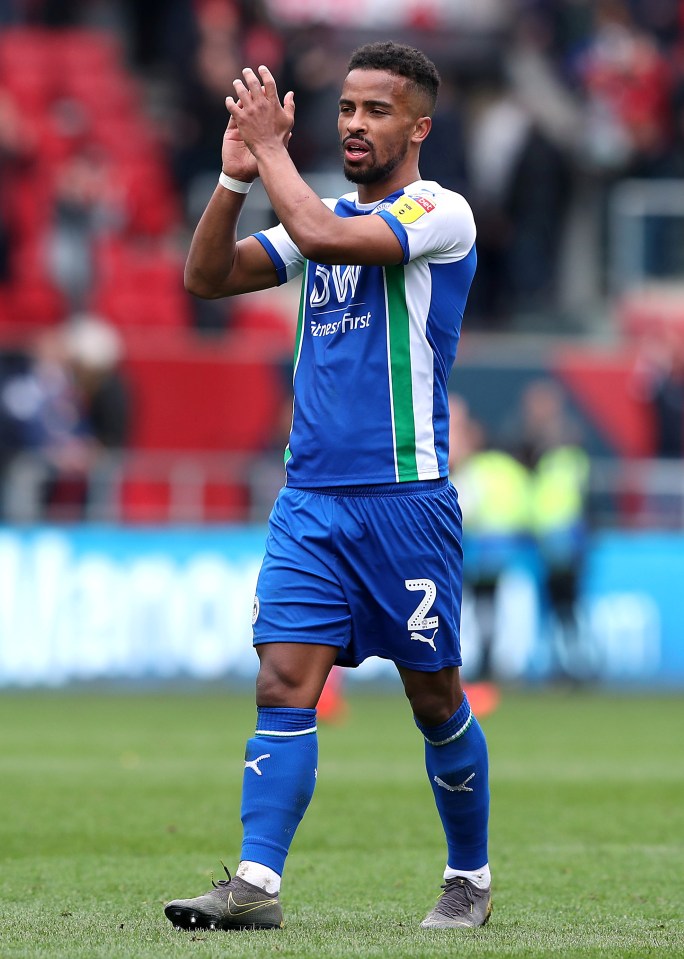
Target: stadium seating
77, 94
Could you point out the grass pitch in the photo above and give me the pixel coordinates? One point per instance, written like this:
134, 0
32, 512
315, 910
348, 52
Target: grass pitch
111, 804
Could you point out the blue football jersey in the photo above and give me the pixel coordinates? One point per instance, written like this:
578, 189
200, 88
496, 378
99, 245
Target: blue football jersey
375, 345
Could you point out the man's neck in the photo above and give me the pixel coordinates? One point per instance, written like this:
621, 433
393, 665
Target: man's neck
374, 192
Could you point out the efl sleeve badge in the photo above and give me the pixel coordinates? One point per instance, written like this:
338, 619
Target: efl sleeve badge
408, 209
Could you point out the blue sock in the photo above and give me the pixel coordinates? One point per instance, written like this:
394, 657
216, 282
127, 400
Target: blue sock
456, 763
278, 783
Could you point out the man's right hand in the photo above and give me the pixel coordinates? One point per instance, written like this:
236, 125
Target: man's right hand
236, 159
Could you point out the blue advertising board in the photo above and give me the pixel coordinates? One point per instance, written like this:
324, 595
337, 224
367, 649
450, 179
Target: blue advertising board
109, 603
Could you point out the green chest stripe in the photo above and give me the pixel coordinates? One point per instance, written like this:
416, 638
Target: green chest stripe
300, 317
399, 346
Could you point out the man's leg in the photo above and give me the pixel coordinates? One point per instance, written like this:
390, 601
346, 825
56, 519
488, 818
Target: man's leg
457, 766
278, 783
282, 757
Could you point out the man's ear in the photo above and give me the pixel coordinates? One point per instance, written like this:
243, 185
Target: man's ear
421, 129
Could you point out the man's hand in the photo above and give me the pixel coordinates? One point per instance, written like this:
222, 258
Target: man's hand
260, 117
236, 158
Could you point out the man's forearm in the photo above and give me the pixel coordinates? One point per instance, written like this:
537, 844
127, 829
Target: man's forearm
212, 250
305, 217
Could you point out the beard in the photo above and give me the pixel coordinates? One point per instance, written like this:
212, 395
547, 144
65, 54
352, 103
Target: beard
378, 171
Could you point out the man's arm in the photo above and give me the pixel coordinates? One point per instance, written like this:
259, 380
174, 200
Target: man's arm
218, 264
319, 234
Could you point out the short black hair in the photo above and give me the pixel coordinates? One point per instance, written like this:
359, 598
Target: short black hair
402, 60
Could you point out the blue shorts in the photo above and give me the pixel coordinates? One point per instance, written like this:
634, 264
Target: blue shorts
375, 571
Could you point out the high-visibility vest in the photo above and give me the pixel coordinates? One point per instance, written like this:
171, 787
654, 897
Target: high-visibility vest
559, 489
494, 491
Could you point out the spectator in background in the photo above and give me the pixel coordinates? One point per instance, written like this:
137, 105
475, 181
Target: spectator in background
161, 33
201, 117
16, 150
70, 414
541, 423
549, 444
87, 205
626, 81
199, 127
13, 367
447, 162
312, 69
659, 383
46, 474
94, 351
226, 34
494, 492
519, 187
558, 507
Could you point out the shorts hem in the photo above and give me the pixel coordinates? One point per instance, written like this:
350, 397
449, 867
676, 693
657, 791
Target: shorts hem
453, 661
407, 664
263, 640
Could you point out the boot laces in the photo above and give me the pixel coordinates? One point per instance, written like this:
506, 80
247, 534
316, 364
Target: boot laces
457, 896
222, 882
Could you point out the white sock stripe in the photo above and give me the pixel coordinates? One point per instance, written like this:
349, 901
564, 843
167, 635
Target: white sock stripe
457, 734
282, 732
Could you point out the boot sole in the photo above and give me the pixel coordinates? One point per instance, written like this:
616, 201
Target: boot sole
189, 919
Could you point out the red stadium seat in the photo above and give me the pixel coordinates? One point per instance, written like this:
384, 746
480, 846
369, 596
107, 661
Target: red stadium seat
26, 51
144, 501
225, 502
111, 96
88, 52
143, 307
36, 304
203, 401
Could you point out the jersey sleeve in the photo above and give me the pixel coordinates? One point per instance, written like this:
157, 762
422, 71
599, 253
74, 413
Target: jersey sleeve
439, 226
285, 254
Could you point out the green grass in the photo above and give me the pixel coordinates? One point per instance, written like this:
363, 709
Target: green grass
111, 804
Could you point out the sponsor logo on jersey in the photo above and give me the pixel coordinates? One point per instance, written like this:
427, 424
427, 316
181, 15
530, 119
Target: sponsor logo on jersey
344, 282
347, 324
426, 204
408, 209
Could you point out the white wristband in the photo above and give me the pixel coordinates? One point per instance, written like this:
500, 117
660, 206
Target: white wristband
237, 186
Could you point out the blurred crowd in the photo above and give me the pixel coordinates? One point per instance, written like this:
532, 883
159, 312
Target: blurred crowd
546, 105
65, 417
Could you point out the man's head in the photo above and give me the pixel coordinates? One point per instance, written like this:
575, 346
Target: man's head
387, 100
404, 61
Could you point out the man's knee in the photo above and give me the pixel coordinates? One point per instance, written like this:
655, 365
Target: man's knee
433, 709
277, 683
292, 674
434, 697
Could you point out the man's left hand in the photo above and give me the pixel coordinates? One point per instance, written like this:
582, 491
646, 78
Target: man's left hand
261, 118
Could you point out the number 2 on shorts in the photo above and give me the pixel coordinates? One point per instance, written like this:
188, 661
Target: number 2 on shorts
417, 620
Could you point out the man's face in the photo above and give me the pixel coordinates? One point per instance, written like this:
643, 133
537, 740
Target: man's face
376, 120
